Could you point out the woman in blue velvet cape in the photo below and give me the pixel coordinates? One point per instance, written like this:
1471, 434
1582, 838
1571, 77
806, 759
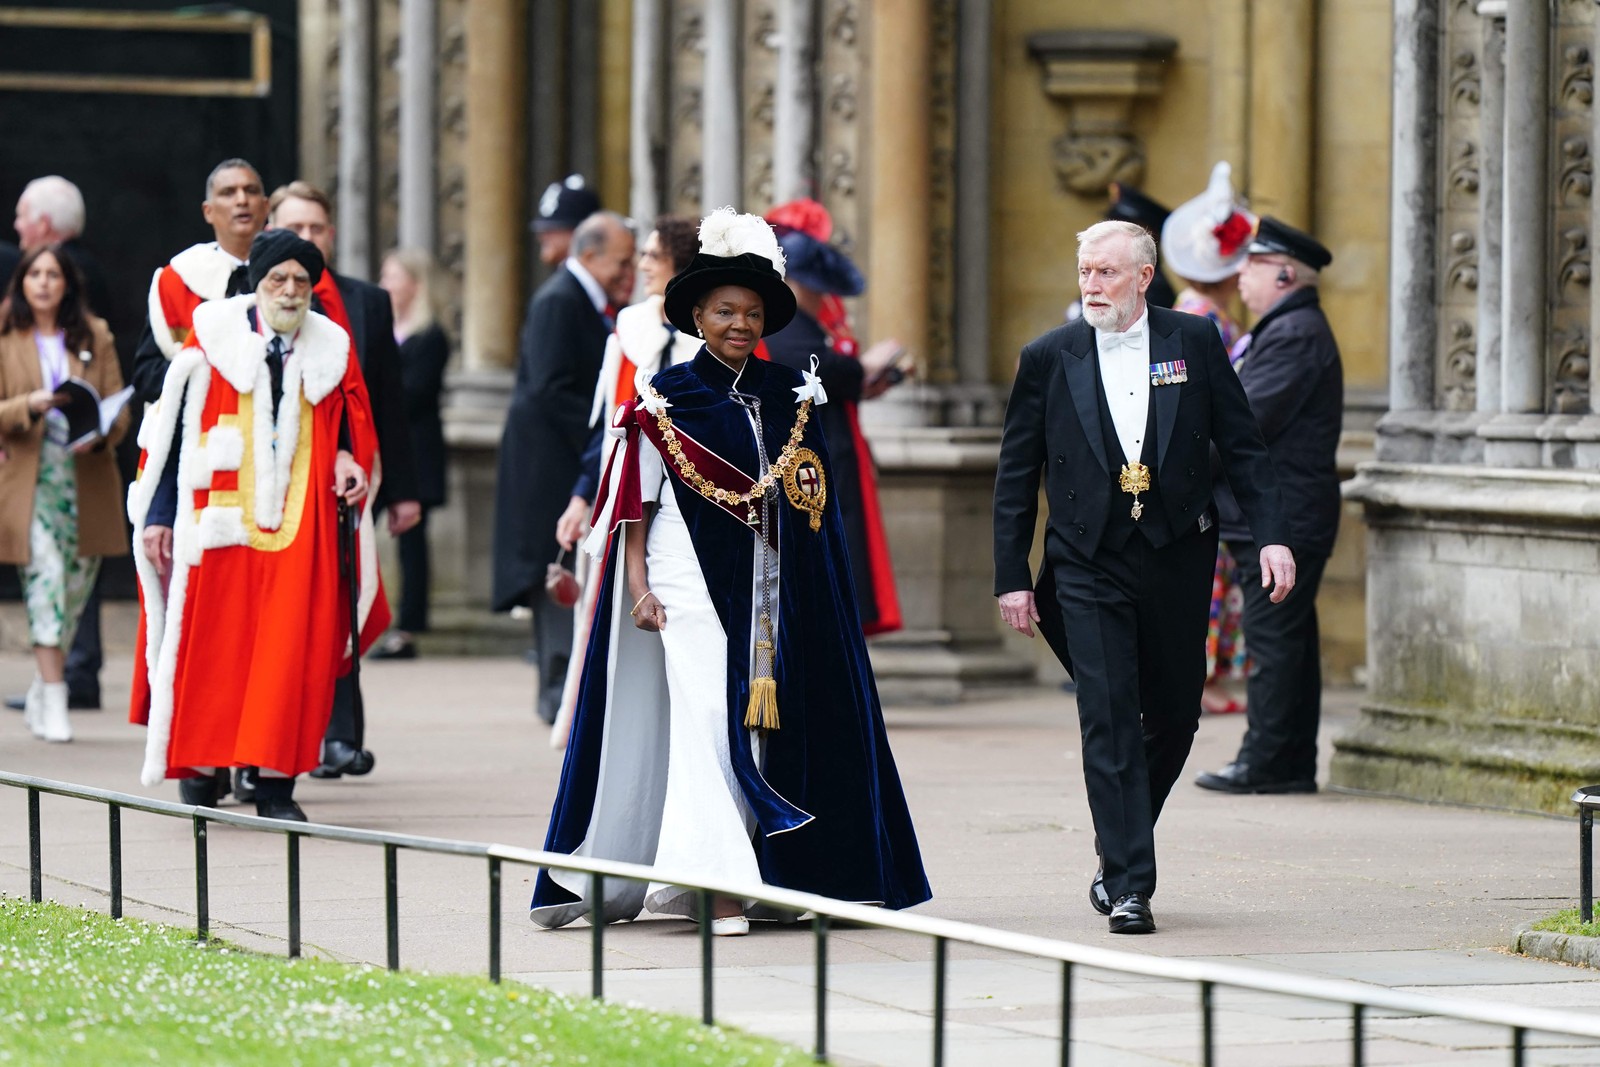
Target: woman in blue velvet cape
819, 795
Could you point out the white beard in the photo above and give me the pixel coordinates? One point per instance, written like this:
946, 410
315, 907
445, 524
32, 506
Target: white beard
284, 319
1112, 319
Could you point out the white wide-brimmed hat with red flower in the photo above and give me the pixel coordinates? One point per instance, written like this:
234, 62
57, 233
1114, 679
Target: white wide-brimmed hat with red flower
1206, 239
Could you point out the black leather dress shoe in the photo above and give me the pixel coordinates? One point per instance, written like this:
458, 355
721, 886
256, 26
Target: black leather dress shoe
287, 810
244, 783
202, 792
19, 703
340, 758
1132, 915
1099, 899
1239, 778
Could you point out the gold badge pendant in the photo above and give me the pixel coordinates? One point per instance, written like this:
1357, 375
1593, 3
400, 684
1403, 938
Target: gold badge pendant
1135, 479
807, 486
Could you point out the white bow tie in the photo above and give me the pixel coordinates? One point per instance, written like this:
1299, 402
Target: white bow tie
1110, 342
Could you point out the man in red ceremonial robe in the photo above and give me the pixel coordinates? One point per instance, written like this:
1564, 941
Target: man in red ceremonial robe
236, 208
262, 426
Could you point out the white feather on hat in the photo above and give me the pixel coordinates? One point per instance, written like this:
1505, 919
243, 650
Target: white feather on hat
1200, 240
727, 233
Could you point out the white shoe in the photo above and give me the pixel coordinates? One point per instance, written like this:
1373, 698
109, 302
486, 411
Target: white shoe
730, 926
33, 705
53, 722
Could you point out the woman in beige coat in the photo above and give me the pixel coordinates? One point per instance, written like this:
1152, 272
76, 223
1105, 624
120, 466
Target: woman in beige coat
60, 504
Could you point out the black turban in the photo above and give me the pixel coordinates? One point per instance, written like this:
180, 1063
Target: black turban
272, 247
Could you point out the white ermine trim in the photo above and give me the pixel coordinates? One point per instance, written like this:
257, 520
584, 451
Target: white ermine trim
160, 328
275, 462
222, 328
225, 448
222, 527
322, 349
160, 423
205, 269
164, 607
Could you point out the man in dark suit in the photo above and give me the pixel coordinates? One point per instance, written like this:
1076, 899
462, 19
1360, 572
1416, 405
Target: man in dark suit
547, 427
1292, 374
363, 309
1120, 408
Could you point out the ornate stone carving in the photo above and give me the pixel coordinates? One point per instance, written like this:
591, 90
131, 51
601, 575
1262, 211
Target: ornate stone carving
1460, 367
1461, 272
759, 80
1466, 86
1097, 75
1570, 390
841, 71
1463, 176
1577, 77
1573, 266
686, 73
1577, 170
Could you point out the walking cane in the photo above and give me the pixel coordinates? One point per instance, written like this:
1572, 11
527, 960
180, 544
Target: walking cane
349, 524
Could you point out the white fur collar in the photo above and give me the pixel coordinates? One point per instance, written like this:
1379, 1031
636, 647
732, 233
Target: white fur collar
322, 349
204, 268
643, 334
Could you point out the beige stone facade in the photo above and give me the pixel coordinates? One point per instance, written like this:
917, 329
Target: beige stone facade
931, 137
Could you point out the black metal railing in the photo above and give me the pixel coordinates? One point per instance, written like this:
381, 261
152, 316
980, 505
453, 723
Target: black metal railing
1206, 976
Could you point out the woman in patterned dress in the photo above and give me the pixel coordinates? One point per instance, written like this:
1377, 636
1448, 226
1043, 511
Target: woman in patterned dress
60, 501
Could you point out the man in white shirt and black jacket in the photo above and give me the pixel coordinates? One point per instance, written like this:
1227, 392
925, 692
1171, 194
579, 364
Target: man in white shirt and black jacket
1119, 411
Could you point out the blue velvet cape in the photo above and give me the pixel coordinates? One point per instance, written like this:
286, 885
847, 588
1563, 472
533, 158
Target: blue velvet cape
831, 814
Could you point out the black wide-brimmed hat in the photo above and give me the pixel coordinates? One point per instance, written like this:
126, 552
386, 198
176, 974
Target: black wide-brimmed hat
734, 250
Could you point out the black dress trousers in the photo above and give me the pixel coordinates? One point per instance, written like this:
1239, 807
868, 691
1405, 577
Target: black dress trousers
1135, 619
1284, 689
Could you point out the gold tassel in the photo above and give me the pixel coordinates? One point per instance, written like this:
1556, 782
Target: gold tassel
763, 711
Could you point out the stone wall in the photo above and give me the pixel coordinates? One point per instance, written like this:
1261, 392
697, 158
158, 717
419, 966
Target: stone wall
1482, 591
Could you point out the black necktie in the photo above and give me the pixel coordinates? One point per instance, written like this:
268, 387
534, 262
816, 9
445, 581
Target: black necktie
275, 368
238, 281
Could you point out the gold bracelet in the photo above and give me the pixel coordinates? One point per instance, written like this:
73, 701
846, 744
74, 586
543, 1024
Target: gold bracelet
641, 600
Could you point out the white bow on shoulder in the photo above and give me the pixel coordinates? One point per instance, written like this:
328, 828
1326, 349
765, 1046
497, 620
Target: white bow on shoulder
812, 389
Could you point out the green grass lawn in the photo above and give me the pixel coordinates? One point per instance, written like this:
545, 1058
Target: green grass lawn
1566, 922
77, 988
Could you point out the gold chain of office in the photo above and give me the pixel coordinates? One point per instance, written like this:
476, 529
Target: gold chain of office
709, 489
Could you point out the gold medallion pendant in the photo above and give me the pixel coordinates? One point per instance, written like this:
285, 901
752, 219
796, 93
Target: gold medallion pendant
807, 486
1135, 479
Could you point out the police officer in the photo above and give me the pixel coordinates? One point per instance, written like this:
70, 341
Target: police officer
1293, 377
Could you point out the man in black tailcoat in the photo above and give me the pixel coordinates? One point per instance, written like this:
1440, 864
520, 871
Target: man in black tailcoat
1119, 410
1293, 376
547, 427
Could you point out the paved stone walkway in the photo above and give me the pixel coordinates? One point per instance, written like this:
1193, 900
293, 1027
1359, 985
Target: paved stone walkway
1398, 894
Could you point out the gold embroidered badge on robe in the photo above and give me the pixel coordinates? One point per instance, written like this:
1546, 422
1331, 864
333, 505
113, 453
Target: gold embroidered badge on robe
807, 486
1135, 479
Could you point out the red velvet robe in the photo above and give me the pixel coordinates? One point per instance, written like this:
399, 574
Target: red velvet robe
239, 647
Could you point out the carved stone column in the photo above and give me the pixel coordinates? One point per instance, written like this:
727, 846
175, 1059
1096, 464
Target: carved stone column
1413, 207
1524, 227
495, 145
1283, 67
720, 153
355, 138
1491, 178
794, 131
901, 58
419, 187
647, 119
1099, 75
